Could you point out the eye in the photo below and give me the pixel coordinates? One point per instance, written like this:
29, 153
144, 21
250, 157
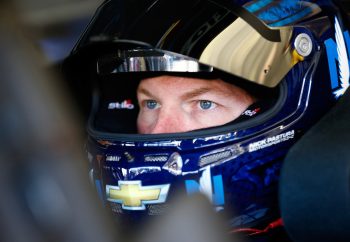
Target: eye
151, 104
205, 104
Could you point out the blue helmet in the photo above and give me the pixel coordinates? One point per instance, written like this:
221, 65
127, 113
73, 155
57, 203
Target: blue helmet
293, 55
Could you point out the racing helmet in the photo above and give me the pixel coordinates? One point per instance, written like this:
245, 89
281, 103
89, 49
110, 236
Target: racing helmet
292, 55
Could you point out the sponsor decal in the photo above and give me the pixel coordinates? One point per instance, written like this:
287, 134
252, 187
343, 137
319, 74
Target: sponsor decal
261, 144
210, 186
126, 104
251, 112
133, 196
113, 158
338, 60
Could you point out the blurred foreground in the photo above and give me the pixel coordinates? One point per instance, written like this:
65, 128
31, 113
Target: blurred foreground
46, 195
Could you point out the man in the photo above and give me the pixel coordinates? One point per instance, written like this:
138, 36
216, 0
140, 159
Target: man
170, 104
196, 66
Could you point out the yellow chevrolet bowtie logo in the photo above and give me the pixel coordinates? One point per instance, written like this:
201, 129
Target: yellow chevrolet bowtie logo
133, 196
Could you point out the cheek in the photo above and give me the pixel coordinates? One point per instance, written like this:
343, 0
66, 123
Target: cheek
218, 117
211, 120
142, 126
145, 121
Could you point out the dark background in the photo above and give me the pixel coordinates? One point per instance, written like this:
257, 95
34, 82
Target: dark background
60, 23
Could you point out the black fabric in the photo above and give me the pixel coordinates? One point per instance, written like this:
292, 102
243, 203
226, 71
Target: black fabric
255, 109
315, 180
117, 107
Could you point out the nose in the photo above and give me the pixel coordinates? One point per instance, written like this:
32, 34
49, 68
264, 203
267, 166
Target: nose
169, 121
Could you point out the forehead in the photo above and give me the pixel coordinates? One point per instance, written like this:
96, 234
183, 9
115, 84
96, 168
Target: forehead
173, 84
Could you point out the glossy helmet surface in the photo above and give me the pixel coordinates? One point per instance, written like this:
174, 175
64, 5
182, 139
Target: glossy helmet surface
292, 54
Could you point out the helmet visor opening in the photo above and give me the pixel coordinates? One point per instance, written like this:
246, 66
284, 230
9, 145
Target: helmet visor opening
116, 108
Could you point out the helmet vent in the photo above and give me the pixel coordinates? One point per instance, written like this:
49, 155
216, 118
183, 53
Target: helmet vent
221, 156
205, 160
156, 158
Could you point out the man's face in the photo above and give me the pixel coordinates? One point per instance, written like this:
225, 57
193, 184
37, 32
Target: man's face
170, 104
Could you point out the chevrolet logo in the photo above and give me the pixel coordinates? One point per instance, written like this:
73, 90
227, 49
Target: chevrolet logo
133, 196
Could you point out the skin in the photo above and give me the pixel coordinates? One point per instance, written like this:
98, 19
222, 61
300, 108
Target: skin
170, 104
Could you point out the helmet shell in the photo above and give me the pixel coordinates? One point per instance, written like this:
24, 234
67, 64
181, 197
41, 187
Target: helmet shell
236, 166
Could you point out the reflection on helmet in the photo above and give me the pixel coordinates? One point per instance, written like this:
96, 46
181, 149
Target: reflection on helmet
291, 55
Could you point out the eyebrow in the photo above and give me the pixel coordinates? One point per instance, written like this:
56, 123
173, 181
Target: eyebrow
144, 91
197, 92
188, 95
